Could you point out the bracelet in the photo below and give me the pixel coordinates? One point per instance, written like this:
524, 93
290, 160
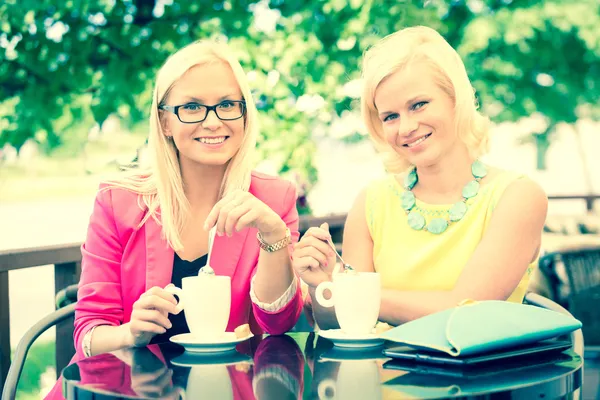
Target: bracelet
87, 342
270, 248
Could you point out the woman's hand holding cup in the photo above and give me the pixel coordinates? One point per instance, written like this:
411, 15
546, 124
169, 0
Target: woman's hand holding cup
150, 315
313, 258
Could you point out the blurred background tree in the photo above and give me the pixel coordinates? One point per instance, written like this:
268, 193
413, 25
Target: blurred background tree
68, 65
540, 58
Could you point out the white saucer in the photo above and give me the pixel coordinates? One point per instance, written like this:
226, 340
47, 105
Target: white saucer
225, 343
343, 340
188, 359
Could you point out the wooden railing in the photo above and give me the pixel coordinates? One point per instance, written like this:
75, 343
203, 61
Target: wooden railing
66, 259
588, 198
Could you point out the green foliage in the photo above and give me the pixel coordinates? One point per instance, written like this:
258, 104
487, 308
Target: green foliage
536, 58
540, 59
41, 356
75, 62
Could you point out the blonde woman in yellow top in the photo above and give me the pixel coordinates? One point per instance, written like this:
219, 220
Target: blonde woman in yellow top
443, 226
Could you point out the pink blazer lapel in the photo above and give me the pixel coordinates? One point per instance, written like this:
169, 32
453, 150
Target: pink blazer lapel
226, 252
159, 256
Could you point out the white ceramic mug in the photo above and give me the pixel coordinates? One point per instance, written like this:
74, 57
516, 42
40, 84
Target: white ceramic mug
357, 299
206, 300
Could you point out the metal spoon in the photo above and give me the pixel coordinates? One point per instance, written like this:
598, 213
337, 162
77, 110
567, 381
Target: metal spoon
207, 269
347, 267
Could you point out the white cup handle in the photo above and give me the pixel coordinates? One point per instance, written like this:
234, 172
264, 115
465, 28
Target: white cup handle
323, 286
324, 385
179, 293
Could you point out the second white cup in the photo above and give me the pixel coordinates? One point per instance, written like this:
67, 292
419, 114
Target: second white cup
357, 299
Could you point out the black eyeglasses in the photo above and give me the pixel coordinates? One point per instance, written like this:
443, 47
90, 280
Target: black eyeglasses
192, 113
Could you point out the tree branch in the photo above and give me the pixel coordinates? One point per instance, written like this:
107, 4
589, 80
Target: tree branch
39, 76
144, 14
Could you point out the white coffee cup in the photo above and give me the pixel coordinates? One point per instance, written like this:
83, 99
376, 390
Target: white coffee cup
357, 299
206, 300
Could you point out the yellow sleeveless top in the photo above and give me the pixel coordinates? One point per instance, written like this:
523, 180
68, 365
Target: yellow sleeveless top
410, 260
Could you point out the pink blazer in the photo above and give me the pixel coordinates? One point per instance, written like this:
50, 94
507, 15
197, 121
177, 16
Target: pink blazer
121, 261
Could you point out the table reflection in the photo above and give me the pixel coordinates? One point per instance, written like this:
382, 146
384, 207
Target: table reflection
273, 367
262, 368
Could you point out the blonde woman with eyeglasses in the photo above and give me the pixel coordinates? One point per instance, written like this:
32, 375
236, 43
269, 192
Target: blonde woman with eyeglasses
442, 226
150, 228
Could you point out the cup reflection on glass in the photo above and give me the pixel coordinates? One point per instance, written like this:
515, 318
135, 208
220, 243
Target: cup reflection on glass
357, 299
206, 300
213, 376
208, 382
356, 379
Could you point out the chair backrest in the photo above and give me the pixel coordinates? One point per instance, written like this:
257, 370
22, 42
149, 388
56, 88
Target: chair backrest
537, 300
575, 278
66, 296
18, 360
573, 224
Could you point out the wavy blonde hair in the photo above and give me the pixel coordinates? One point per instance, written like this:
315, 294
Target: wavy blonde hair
406, 47
160, 187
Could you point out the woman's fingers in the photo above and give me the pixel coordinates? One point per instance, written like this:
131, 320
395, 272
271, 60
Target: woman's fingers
314, 242
151, 316
213, 216
310, 271
314, 259
240, 216
222, 218
302, 264
139, 327
239, 210
246, 220
319, 233
313, 253
218, 215
154, 301
158, 291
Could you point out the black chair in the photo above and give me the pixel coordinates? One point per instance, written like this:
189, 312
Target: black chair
65, 302
18, 359
66, 296
578, 287
537, 300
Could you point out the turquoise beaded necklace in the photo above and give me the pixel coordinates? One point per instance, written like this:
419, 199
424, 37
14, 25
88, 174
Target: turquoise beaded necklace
438, 225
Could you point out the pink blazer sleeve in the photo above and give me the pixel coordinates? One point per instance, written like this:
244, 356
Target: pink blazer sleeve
283, 320
99, 297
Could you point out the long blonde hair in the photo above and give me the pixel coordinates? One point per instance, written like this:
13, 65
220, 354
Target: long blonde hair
424, 45
160, 187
